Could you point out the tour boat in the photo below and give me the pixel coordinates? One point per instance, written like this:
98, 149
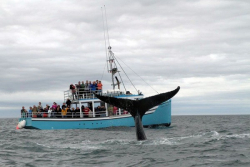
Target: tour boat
98, 117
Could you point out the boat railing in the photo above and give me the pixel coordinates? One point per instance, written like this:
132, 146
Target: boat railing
68, 115
113, 93
73, 114
85, 93
80, 94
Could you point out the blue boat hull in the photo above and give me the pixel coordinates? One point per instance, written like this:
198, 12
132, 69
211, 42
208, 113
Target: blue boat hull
161, 116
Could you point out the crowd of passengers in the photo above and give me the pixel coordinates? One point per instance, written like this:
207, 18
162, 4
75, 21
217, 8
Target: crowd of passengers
83, 89
64, 111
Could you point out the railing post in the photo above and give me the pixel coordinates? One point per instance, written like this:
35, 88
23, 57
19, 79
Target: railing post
106, 107
77, 94
81, 114
93, 108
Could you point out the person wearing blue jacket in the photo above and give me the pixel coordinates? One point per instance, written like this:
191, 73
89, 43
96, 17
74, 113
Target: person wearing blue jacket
93, 86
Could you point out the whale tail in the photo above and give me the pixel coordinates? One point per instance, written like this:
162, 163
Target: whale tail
137, 108
140, 106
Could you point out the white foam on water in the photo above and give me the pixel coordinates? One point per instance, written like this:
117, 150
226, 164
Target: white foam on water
217, 160
195, 138
215, 133
116, 142
200, 137
85, 145
43, 145
97, 145
112, 142
238, 136
162, 141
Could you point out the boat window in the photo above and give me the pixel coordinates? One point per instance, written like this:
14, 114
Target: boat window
114, 111
110, 109
100, 110
87, 104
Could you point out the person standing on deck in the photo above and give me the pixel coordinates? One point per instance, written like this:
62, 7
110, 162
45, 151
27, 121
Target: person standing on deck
69, 114
76, 89
77, 112
45, 112
73, 90
23, 112
89, 88
50, 112
82, 91
64, 112
68, 102
90, 114
47, 106
93, 87
86, 84
82, 107
39, 107
30, 112
78, 86
99, 87
58, 111
54, 105
115, 110
96, 83
73, 112
64, 105
34, 111
86, 112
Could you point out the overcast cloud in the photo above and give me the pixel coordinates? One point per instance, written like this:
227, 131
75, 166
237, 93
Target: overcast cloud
201, 46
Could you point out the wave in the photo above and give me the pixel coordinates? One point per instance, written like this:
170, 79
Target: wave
202, 137
85, 145
238, 136
117, 142
109, 144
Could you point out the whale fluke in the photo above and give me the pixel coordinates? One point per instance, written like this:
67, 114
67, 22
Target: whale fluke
137, 108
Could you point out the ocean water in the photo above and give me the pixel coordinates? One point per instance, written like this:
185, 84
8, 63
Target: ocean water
189, 141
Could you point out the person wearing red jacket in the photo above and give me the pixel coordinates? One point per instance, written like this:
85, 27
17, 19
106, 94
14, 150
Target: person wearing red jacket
99, 86
86, 112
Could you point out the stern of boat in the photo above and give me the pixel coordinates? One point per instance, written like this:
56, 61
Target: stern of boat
161, 116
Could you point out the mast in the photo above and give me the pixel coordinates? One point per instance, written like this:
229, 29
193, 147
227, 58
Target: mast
112, 68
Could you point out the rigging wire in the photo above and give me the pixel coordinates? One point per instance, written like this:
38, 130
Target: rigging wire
105, 38
137, 75
103, 71
122, 81
126, 74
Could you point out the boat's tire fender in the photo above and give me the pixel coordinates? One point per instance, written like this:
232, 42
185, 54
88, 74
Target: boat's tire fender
21, 124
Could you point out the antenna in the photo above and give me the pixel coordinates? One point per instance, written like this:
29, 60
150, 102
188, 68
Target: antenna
105, 38
107, 24
110, 55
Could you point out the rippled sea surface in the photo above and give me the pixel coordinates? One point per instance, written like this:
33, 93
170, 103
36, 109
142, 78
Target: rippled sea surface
189, 141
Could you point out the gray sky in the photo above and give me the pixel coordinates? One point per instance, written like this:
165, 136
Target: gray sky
201, 46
